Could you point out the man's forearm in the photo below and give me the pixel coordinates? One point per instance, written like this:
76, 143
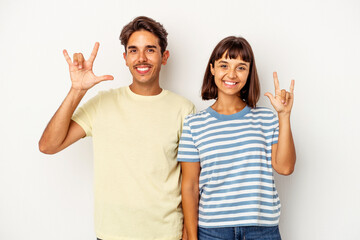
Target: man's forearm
57, 129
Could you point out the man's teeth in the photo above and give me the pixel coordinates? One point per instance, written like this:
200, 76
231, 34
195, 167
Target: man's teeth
143, 69
230, 83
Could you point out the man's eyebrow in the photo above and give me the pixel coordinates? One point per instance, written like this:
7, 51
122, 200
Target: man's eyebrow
147, 46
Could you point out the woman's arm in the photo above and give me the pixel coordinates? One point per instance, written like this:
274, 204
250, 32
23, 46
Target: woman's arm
190, 197
283, 154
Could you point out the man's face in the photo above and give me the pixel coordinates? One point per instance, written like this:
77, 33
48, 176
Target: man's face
143, 57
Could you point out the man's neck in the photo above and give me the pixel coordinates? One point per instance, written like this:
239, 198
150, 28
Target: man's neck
145, 90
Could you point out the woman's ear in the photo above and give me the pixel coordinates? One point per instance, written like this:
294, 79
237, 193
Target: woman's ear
212, 69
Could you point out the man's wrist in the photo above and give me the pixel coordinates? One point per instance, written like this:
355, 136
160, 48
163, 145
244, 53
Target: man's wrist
79, 92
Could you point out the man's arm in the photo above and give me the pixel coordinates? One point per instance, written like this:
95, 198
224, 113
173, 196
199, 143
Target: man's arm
61, 130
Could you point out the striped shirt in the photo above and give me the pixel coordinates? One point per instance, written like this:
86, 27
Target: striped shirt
236, 181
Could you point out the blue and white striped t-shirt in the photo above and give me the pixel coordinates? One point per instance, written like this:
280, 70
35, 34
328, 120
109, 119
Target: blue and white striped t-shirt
236, 181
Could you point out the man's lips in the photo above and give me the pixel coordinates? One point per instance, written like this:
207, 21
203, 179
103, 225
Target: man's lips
142, 69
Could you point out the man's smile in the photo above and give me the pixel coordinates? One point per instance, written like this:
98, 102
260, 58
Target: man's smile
142, 69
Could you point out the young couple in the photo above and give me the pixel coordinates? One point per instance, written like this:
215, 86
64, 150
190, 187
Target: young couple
227, 152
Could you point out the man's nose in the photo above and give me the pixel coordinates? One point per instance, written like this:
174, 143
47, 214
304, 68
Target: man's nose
142, 56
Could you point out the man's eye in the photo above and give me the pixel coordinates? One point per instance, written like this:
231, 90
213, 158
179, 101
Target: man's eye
132, 51
151, 50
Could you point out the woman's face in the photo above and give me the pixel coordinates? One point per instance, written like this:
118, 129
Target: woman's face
230, 75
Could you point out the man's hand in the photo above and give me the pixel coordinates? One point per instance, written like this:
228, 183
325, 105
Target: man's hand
283, 100
81, 72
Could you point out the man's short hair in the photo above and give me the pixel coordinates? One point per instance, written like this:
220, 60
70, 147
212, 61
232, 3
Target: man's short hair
147, 24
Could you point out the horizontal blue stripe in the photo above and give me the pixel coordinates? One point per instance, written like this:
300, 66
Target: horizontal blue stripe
234, 138
239, 196
238, 219
238, 189
186, 139
215, 134
259, 158
232, 145
241, 159
239, 170
183, 147
257, 126
242, 224
240, 151
188, 160
243, 203
195, 154
255, 121
222, 178
239, 181
246, 210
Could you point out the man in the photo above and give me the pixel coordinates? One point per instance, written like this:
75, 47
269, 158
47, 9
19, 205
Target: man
135, 132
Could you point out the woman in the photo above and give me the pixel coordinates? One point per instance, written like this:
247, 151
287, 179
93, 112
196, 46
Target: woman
229, 150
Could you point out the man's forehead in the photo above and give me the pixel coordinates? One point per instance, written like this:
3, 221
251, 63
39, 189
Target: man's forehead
143, 38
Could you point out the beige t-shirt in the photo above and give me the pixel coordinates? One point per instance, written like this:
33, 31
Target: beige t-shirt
136, 175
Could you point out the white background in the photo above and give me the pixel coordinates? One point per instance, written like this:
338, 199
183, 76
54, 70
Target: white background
317, 43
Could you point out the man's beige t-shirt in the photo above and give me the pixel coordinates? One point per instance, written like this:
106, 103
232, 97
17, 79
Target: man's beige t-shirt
136, 175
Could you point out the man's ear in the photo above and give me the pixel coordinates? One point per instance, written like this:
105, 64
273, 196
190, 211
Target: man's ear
124, 55
212, 69
165, 57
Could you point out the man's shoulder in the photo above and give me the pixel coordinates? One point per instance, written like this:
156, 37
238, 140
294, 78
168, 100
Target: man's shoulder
178, 99
109, 93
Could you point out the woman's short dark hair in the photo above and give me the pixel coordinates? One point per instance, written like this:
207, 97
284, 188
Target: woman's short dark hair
233, 47
147, 24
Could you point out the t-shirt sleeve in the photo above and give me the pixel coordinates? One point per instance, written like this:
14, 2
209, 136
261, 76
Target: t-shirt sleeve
84, 115
275, 134
187, 150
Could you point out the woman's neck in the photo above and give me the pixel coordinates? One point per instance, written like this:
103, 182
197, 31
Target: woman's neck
228, 105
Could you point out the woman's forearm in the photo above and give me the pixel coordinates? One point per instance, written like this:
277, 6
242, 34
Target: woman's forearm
190, 197
190, 200
284, 162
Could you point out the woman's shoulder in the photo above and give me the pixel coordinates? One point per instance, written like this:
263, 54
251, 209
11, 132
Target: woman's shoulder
262, 113
261, 110
199, 116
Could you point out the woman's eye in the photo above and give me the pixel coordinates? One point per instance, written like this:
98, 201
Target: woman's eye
223, 66
241, 68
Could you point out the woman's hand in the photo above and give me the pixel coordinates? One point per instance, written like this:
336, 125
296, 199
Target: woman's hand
283, 100
81, 73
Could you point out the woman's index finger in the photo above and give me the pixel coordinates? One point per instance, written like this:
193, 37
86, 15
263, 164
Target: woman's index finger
276, 82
